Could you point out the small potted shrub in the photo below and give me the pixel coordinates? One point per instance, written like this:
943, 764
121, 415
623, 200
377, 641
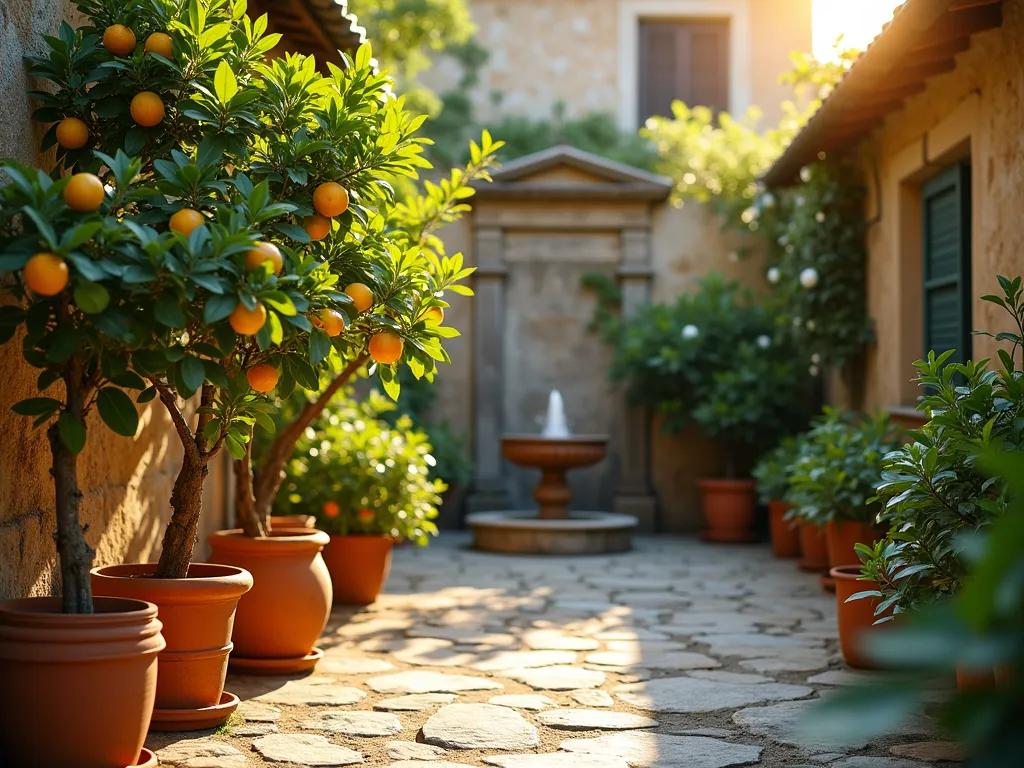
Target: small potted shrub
772, 473
369, 485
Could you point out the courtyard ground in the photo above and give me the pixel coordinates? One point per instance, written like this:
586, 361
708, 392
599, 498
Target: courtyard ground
678, 653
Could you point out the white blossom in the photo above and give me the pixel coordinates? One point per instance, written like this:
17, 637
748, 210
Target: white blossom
764, 341
815, 358
811, 325
690, 331
813, 370
805, 174
773, 275
809, 278
749, 214
820, 217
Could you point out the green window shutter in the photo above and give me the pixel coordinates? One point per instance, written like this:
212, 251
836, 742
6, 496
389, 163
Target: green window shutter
946, 209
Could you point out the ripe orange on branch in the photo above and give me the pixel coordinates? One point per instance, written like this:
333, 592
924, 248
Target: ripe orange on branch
386, 347
186, 220
434, 316
147, 109
72, 133
248, 321
361, 296
264, 252
84, 192
330, 199
160, 43
331, 321
46, 274
263, 377
317, 227
119, 40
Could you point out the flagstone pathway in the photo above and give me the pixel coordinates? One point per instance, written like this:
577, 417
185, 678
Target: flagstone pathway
678, 654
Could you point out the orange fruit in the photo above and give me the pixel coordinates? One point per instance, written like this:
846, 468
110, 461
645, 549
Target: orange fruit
84, 192
119, 40
72, 133
366, 515
331, 509
434, 316
186, 220
386, 347
248, 321
332, 321
46, 274
330, 199
264, 252
147, 109
361, 296
317, 227
263, 377
161, 44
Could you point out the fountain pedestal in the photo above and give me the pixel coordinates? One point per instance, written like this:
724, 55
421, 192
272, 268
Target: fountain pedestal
552, 528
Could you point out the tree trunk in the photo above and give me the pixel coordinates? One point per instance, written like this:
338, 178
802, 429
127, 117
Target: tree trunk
73, 550
186, 507
245, 500
271, 471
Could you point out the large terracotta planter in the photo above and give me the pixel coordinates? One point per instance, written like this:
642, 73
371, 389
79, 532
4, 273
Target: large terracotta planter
197, 614
841, 536
728, 509
292, 521
785, 533
280, 620
856, 619
77, 690
359, 567
814, 550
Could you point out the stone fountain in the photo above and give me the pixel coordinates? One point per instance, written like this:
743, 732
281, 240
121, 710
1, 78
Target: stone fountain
552, 528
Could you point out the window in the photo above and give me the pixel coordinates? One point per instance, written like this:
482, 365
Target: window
946, 207
684, 60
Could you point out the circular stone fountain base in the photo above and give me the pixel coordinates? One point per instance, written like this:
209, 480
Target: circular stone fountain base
522, 532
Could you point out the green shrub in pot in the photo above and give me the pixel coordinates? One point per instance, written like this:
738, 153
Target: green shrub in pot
773, 470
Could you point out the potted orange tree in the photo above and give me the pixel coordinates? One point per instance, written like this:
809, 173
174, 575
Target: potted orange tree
86, 665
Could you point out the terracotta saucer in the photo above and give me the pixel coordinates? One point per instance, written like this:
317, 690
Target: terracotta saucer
276, 666
195, 719
827, 582
733, 538
146, 760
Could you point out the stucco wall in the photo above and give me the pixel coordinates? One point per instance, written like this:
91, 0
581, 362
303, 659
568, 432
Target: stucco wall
126, 482
546, 51
975, 112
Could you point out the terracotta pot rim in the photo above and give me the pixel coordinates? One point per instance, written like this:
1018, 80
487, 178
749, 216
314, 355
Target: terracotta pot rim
726, 483
46, 612
207, 582
846, 573
282, 540
364, 536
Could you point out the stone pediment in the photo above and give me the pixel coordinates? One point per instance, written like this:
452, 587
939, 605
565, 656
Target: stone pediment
566, 173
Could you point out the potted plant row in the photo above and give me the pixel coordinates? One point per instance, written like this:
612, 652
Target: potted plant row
772, 473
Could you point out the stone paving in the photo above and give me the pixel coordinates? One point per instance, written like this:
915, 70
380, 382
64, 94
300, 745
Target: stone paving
676, 654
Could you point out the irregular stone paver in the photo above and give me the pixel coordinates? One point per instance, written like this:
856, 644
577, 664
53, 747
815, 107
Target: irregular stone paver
651, 750
305, 750
556, 760
653, 660
842, 677
252, 729
781, 722
464, 635
314, 695
592, 698
258, 712
428, 652
354, 723
415, 702
533, 702
806, 662
524, 660
722, 676
428, 764
688, 694
412, 750
419, 681
876, 762
558, 678
354, 665
594, 720
479, 726
932, 751
553, 640
201, 753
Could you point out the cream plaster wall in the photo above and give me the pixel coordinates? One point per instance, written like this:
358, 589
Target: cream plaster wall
126, 482
975, 112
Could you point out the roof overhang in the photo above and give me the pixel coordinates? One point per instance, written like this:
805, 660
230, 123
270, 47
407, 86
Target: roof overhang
920, 42
317, 28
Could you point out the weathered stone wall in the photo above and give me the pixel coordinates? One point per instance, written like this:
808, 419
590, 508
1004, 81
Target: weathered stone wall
126, 482
544, 52
975, 113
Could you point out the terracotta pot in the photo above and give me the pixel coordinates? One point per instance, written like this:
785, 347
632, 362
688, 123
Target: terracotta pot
970, 679
359, 566
292, 521
785, 533
856, 619
841, 536
77, 689
814, 550
197, 613
728, 509
280, 620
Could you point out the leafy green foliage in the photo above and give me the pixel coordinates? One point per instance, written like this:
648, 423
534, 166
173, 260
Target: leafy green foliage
361, 475
839, 466
772, 470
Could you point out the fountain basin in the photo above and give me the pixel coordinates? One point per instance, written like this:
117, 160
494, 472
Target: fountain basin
553, 452
522, 532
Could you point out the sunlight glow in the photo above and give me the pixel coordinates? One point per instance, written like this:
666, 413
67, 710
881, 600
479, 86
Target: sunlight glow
858, 22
